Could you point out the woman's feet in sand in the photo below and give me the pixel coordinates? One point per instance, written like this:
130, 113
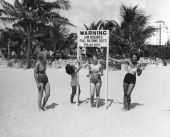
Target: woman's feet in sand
79, 102
42, 109
126, 107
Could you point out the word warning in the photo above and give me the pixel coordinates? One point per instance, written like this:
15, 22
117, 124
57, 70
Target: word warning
93, 38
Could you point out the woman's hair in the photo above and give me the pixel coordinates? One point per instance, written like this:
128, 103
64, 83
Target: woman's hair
136, 54
69, 69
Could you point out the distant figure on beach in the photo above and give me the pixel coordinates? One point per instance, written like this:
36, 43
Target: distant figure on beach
95, 73
42, 81
130, 78
72, 71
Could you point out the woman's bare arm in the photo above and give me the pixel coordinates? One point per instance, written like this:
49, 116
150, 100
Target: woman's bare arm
88, 75
36, 72
120, 60
77, 70
81, 66
101, 70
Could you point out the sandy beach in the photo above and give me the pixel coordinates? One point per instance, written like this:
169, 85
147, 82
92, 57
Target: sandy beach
149, 116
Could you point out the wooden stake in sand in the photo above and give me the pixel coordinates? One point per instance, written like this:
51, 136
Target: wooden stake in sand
94, 38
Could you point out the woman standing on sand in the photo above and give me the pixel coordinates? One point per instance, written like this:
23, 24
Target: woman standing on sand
72, 71
130, 78
42, 81
95, 73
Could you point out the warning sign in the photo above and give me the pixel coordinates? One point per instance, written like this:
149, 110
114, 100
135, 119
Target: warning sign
93, 38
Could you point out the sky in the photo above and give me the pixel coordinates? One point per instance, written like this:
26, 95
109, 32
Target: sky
88, 11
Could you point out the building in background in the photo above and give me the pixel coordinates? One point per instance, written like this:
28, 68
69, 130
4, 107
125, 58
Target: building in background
160, 37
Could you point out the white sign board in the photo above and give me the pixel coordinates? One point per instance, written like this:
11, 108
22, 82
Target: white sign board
93, 38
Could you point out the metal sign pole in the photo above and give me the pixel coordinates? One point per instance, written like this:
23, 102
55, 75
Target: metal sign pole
77, 89
106, 79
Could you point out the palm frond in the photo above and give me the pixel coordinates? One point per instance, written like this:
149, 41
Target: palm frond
17, 4
3, 12
8, 19
64, 21
9, 10
6, 4
148, 31
20, 23
85, 26
141, 21
49, 6
62, 4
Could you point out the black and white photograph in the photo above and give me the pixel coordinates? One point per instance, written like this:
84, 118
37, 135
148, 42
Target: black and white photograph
84, 68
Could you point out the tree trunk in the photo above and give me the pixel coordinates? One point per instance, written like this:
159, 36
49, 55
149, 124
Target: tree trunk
28, 59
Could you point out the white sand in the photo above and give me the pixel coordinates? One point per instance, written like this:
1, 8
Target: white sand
19, 116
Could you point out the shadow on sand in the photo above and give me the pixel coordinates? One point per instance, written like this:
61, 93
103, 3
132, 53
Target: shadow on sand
109, 102
167, 110
132, 106
101, 102
52, 106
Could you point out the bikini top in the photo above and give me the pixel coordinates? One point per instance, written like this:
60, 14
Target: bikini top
95, 68
131, 70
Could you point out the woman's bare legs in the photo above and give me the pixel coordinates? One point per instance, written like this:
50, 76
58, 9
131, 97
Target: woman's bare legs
98, 86
73, 93
40, 95
47, 94
125, 87
92, 90
129, 91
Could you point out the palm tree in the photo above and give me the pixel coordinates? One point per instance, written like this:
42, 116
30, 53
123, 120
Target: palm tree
28, 14
133, 29
70, 43
93, 26
130, 34
59, 35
